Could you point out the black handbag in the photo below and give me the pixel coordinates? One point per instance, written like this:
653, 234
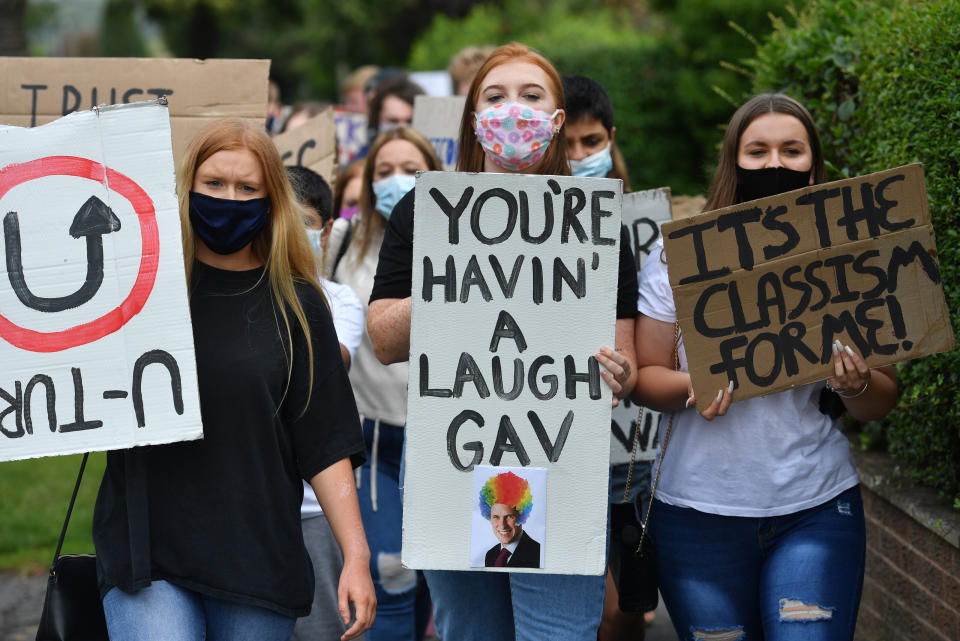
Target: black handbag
72, 610
639, 580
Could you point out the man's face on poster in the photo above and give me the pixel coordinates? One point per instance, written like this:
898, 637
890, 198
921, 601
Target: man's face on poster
503, 520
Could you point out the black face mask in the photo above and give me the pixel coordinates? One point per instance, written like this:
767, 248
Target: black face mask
762, 183
227, 226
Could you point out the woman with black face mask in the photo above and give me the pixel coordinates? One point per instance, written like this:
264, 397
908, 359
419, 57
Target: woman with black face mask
758, 522
202, 539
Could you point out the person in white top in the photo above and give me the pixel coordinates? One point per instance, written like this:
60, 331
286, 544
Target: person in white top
324, 622
757, 524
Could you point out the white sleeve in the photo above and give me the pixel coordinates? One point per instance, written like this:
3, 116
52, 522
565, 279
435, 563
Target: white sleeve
337, 237
347, 314
656, 297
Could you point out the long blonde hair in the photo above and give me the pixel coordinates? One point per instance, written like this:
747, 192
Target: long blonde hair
282, 245
372, 221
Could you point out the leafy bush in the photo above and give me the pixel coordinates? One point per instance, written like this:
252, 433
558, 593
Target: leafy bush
881, 79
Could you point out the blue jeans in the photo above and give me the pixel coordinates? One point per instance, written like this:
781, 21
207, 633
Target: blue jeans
166, 612
403, 603
488, 606
787, 578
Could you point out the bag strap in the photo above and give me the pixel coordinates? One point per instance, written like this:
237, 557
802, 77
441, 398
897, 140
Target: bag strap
66, 521
666, 441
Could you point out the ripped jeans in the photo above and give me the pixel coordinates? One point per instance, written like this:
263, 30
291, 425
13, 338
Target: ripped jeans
786, 578
403, 602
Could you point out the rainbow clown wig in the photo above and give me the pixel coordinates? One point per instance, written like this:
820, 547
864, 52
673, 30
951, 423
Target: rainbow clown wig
509, 489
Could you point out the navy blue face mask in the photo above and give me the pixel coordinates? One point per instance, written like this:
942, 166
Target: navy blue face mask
771, 181
227, 226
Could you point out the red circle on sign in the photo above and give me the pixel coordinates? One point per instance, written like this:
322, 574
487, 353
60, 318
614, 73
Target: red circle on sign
113, 320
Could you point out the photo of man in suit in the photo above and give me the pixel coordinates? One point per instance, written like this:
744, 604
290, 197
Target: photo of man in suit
506, 502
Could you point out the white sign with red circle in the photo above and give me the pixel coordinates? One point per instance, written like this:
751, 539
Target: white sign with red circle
95, 334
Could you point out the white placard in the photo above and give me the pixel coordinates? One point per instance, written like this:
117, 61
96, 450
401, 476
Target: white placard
438, 119
643, 213
95, 334
513, 293
435, 83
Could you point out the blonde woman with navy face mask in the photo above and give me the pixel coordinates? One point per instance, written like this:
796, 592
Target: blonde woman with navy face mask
514, 82
201, 539
381, 390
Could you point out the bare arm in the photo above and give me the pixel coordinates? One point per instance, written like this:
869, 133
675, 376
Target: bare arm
660, 386
345, 355
337, 494
388, 323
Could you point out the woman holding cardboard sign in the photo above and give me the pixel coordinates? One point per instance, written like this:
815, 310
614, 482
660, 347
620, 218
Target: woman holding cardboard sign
202, 539
758, 521
513, 83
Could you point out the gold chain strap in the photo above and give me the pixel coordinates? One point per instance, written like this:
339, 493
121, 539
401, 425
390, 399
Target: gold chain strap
633, 456
663, 446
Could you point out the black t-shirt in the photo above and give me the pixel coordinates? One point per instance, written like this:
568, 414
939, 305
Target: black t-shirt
223, 513
394, 277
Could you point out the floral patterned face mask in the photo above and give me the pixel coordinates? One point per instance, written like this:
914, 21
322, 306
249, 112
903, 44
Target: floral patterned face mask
514, 136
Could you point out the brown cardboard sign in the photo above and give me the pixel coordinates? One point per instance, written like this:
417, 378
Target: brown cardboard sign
35, 91
312, 145
763, 288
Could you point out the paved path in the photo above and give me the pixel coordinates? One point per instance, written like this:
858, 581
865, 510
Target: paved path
21, 599
661, 629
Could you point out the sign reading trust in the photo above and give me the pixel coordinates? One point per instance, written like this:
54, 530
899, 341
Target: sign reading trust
764, 288
95, 334
514, 292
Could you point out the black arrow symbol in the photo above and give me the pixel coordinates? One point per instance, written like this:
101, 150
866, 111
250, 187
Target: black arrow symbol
93, 220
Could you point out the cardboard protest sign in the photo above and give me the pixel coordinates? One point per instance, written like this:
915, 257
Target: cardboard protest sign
95, 334
764, 288
438, 119
312, 145
643, 214
351, 135
514, 291
34, 91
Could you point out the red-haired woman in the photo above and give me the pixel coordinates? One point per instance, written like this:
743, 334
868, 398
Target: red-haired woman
202, 539
500, 606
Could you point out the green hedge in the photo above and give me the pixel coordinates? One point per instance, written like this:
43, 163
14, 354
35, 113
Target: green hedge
882, 79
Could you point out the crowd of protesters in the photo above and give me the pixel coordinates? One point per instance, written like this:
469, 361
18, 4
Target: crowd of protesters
285, 520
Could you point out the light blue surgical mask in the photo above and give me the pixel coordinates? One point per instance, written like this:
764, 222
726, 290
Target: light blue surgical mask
390, 190
315, 236
596, 165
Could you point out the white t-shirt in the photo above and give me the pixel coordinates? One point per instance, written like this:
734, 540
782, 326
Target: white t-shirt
768, 456
347, 312
348, 321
